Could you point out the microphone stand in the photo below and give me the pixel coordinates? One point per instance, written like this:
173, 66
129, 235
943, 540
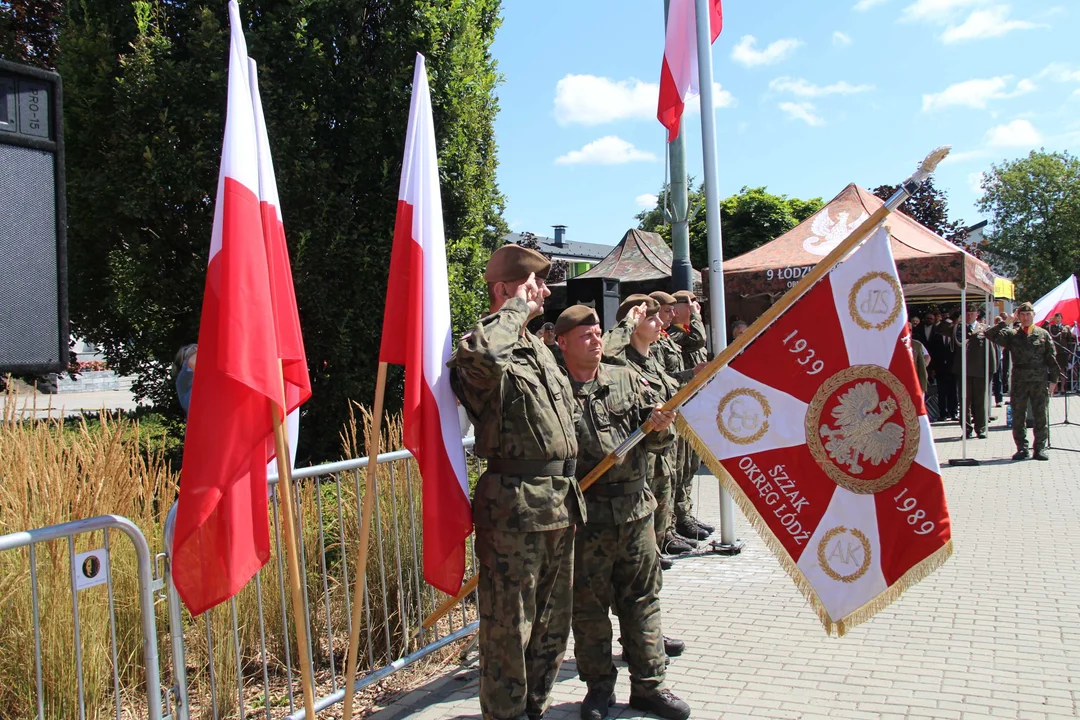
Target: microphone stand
1065, 385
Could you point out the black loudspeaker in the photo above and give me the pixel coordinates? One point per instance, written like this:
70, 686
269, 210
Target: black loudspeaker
33, 239
600, 293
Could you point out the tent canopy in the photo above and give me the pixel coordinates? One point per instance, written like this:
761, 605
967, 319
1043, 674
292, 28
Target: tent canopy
639, 256
929, 265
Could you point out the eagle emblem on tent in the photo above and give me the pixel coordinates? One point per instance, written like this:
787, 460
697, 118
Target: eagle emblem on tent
864, 433
828, 233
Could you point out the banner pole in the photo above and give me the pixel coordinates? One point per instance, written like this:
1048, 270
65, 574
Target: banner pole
285, 486
909, 186
370, 491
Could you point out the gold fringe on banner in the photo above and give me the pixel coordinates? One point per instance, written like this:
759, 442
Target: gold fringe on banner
844, 624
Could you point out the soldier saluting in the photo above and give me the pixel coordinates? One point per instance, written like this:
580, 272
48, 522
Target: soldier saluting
527, 502
1032, 351
615, 551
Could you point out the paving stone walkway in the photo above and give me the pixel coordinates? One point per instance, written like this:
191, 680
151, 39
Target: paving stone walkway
995, 633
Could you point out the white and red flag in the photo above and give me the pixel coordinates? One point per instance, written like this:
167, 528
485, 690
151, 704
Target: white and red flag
679, 72
417, 334
818, 429
249, 346
1064, 299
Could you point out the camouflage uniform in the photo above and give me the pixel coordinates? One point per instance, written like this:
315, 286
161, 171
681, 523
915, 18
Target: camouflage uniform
619, 351
525, 507
615, 560
691, 341
1032, 355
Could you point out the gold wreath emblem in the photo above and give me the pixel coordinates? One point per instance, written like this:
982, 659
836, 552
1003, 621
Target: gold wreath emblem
760, 424
867, 430
823, 560
853, 301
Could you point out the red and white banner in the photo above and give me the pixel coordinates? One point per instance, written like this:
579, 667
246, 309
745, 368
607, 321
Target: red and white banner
818, 429
249, 338
1064, 299
679, 72
417, 334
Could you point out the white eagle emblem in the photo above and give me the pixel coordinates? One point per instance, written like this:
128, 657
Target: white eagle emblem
863, 430
828, 233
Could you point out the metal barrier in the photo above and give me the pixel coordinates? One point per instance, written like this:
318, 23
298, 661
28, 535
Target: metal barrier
254, 630
86, 570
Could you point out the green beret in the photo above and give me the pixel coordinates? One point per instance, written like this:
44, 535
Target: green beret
663, 298
1025, 307
684, 296
575, 316
514, 262
651, 306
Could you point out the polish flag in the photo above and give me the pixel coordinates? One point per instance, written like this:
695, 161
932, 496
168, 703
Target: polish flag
1064, 299
416, 334
249, 348
679, 74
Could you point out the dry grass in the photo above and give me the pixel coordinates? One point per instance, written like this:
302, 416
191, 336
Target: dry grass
51, 474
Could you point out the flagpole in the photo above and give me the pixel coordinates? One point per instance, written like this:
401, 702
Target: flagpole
858, 235
365, 532
281, 449
717, 310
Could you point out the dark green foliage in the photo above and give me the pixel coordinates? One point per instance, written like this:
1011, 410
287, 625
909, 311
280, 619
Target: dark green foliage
1034, 208
748, 220
145, 104
28, 31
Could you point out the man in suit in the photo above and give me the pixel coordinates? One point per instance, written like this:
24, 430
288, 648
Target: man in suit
972, 337
940, 345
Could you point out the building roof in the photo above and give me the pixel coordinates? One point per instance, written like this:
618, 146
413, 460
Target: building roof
928, 264
569, 250
639, 256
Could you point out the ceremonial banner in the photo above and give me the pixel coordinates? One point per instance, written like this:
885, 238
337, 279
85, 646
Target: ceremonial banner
819, 431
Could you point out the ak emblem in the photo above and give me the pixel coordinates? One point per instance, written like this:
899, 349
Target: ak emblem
875, 301
743, 416
844, 554
862, 428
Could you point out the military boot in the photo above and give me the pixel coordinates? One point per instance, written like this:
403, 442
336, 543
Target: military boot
705, 525
663, 704
596, 703
666, 563
689, 529
673, 647
1041, 454
675, 545
1021, 454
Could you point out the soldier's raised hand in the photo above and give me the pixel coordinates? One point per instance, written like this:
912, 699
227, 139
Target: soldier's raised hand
637, 314
529, 291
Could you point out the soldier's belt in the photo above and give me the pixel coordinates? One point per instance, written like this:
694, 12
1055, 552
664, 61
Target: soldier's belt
533, 468
616, 489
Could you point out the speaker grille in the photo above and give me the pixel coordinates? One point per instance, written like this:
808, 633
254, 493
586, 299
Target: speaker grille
29, 289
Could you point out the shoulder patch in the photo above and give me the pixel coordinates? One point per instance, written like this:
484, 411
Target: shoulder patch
644, 380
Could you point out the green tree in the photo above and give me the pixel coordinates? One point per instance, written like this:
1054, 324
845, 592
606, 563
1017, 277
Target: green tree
145, 102
748, 220
1033, 204
930, 207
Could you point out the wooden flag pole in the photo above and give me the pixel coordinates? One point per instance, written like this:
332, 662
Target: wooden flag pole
726, 355
285, 487
365, 532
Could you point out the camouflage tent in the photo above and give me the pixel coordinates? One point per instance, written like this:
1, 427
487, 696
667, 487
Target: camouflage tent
929, 265
641, 262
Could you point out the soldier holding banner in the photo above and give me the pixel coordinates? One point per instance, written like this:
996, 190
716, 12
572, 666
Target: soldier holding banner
615, 551
527, 502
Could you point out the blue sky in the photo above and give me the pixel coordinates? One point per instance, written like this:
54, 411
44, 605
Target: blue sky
815, 95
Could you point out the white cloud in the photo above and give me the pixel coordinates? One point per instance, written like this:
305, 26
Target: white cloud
646, 200
864, 5
1060, 72
976, 93
746, 54
840, 39
803, 88
975, 182
608, 150
982, 24
939, 11
801, 111
1018, 133
593, 100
